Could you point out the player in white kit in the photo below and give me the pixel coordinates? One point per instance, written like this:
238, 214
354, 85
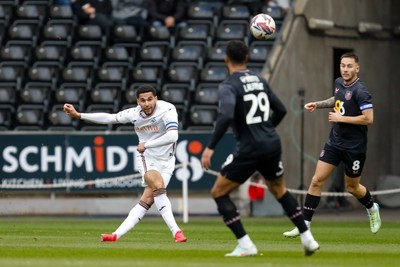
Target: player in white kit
156, 124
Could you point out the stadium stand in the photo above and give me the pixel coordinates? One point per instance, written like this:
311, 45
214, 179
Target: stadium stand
47, 59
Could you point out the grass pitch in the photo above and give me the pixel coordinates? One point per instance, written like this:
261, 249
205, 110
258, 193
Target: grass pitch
57, 241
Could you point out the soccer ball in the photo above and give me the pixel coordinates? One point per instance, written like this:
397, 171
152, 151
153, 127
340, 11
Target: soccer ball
262, 26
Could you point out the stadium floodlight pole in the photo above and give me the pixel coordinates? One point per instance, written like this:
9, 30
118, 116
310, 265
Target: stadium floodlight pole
301, 93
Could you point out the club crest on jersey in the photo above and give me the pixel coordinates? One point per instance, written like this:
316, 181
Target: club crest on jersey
348, 95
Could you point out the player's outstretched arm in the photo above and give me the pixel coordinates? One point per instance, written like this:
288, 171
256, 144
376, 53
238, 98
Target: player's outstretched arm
100, 118
328, 103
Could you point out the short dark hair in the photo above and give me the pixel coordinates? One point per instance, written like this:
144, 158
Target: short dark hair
350, 55
237, 51
144, 88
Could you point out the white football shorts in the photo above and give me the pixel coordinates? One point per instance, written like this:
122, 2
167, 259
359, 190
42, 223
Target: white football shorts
164, 167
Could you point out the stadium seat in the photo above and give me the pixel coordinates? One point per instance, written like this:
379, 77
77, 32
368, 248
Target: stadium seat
73, 93
203, 115
77, 72
58, 30
149, 72
36, 93
196, 30
216, 52
57, 118
51, 51
24, 30
185, 72
106, 93
259, 50
8, 93
85, 53
213, 72
206, 93
182, 115
12, 71
123, 34
30, 115
189, 51
90, 33
61, 12
33, 10
232, 29
159, 33
275, 12
118, 53
43, 71
6, 116
235, 11
175, 93
154, 50
16, 51
114, 72
6, 11
201, 10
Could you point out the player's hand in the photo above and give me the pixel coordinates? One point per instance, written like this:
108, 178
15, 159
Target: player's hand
310, 107
71, 111
334, 116
206, 158
141, 148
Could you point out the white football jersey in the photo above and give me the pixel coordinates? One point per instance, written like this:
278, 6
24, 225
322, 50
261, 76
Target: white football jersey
163, 119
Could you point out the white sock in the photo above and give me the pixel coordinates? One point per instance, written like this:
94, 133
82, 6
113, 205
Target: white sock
164, 207
134, 217
306, 237
245, 241
308, 223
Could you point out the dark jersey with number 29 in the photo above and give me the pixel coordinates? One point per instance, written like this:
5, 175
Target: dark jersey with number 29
350, 100
245, 104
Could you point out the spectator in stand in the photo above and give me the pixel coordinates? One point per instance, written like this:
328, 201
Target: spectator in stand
97, 12
169, 13
130, 12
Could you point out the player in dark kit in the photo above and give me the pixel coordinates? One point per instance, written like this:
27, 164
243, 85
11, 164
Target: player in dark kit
246, 101
347, 143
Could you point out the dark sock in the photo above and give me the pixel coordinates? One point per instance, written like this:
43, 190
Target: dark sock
367, 200
230, 215
310, 205
293, 211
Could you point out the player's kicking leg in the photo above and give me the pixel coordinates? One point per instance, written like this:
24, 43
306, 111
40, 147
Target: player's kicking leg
134, 217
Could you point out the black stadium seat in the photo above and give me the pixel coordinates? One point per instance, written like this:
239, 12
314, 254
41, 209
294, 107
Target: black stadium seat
47, 59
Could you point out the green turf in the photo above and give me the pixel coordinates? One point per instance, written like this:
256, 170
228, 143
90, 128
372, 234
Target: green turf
42, 241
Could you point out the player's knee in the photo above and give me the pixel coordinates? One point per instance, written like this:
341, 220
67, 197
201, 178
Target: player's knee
351, 188
317, 181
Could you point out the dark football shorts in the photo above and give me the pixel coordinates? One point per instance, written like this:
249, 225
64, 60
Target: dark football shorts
353, 162
239, 168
